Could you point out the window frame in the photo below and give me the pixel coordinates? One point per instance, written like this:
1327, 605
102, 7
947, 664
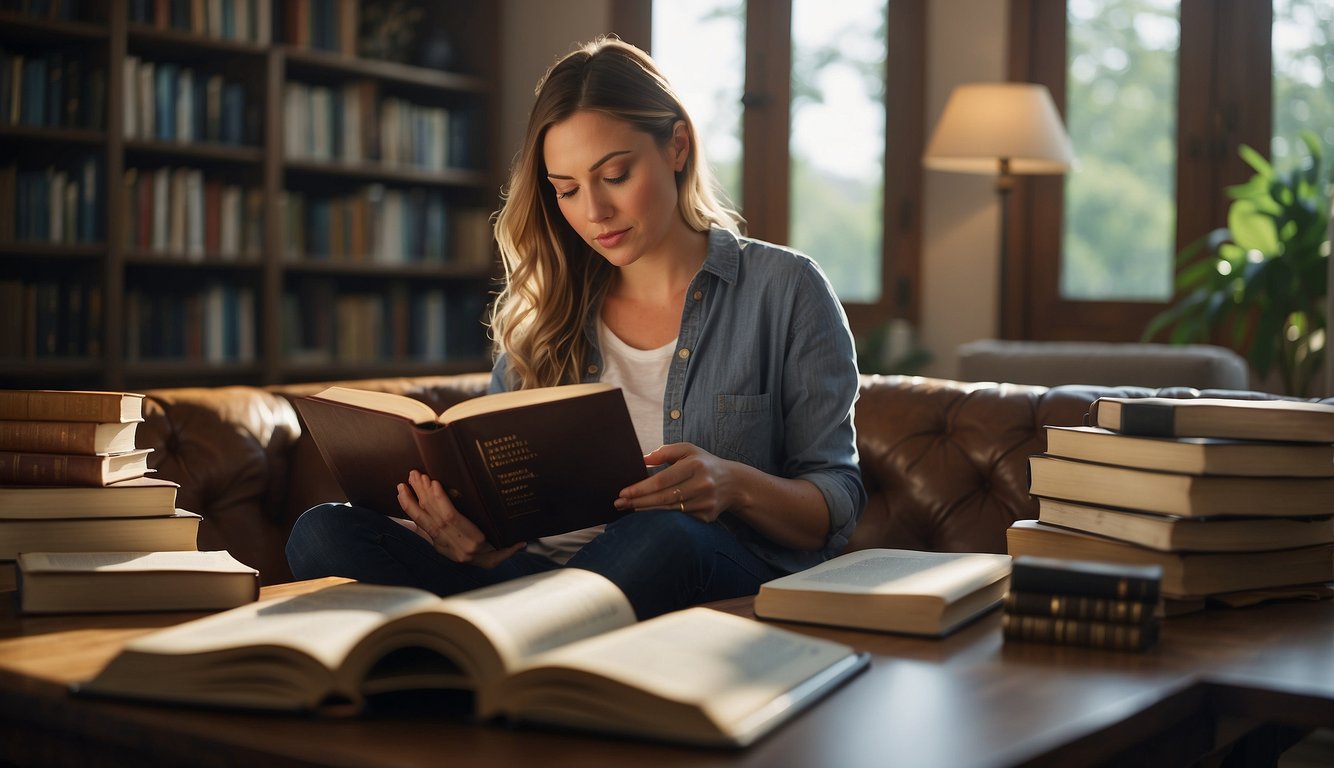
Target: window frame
766, 118
1224, 100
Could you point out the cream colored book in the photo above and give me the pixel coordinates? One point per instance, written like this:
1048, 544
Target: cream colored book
890, 590
559, 648
105, 582
175, 532
1171, 533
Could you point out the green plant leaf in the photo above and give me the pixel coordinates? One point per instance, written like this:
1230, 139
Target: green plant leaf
1256, 160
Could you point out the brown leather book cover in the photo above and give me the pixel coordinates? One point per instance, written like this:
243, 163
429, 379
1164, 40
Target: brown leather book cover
518, 472
28, 468
72, 405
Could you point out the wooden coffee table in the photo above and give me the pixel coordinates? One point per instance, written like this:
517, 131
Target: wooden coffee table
966, 700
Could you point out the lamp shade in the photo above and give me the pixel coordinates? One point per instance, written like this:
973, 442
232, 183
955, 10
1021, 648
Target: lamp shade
984, 123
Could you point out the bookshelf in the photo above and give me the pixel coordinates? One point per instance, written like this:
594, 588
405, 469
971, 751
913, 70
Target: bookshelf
199, 192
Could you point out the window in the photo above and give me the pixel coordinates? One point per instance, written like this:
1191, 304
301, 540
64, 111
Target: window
1191, 81
815, 135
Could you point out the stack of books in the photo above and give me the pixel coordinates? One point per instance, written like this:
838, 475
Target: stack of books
76, 495
1226, 496
1071, 602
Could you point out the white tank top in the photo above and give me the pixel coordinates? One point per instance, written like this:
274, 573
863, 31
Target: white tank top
642, 376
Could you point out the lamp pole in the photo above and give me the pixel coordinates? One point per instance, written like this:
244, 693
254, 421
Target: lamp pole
1004, 185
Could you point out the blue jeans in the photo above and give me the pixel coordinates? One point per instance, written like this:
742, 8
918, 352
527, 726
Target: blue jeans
661, 559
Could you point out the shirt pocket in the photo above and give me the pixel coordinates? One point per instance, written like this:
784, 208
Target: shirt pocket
743, 429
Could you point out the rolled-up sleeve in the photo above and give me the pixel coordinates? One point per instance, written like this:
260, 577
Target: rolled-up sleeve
820, 385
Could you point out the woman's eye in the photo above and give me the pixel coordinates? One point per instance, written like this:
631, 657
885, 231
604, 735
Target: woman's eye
566, 194
619, 179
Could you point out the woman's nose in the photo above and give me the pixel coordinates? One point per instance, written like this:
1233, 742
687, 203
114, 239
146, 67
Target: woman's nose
596, 206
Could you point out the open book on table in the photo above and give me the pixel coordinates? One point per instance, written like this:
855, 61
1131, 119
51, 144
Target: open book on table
561, 648
520, 465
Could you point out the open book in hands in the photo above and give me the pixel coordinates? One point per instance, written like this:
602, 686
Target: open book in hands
560, 647
520, 465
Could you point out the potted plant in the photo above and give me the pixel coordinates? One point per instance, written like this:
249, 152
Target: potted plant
1262, 280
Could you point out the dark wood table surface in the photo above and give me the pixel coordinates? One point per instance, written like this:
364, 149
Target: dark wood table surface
966, 700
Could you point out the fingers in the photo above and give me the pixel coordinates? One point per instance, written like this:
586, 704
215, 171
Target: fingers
435, 519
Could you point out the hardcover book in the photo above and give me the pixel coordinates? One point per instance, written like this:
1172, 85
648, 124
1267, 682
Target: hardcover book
178, 531
1173, 493
520, 465
1173, 533
23, 468
102, 582
560, 648
72, 405
890, 590
75, 437
1185, 574
1062, 606
1215, 417
1107, 635
1192, 455
1068, 576
139, 497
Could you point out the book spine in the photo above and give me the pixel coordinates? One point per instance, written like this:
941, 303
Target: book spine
1063, 606
48, 436
1040, 579
19, 468
445, 462
1089, 634
25, 405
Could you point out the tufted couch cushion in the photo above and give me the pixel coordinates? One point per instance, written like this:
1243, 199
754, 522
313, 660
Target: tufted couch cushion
944, 462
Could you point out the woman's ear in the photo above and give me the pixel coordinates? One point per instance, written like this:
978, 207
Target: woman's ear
680, 146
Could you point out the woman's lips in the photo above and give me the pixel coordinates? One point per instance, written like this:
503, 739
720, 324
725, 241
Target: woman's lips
610, 239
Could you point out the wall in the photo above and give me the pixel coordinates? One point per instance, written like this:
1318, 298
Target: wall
960, 215
533, 34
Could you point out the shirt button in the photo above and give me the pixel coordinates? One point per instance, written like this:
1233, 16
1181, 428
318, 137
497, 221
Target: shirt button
683, 354
699, 295
592, 369
675, 414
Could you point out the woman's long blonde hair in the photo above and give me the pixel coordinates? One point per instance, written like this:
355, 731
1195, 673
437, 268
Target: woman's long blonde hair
553, 279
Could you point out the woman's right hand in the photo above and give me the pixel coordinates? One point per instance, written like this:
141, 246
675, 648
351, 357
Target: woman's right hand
435, 518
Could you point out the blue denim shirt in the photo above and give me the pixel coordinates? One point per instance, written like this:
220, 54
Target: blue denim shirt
765, 374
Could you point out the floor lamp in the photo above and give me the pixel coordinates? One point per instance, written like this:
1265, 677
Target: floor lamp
1005, 129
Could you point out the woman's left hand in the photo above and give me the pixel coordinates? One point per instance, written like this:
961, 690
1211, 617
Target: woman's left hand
694, 482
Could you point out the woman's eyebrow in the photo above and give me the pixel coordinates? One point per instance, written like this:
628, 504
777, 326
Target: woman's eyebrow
594, 166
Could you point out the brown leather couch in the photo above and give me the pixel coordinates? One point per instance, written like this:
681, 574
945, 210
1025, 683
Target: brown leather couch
944, 462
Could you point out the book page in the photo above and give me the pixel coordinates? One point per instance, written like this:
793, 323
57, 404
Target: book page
386, 402
533, 614
518, 398
726, 667
899, 572
130, 562
325, 625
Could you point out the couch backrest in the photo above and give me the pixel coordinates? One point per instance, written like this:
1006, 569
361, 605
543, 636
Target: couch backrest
944, 462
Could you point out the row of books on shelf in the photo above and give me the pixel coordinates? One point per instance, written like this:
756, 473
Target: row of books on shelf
354, 124
55, 10
182, 212
165, 101
248, 21
213, 323
321, 325
385, 226
87, 525
50, 318
51, 204
52, 89
1232, 499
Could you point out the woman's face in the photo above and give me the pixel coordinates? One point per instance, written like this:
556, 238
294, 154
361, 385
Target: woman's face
614, 184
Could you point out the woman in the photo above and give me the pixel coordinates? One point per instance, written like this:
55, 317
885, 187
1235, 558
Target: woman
734, 356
